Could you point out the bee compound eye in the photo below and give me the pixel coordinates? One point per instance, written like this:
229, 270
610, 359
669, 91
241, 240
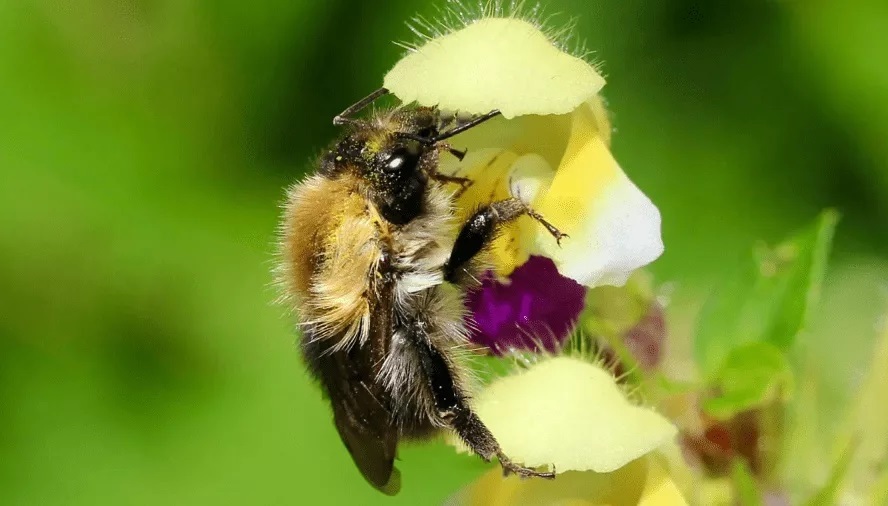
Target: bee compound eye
394, 163
401, 160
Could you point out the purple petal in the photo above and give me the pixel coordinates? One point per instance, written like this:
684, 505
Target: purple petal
537, 307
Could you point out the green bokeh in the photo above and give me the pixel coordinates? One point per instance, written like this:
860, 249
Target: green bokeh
144, 146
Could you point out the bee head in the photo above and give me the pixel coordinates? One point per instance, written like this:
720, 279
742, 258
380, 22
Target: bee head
394, 154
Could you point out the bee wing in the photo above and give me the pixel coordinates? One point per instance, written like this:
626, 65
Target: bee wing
365, 426
360, 405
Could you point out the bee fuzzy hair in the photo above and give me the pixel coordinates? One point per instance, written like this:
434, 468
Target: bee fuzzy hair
456, 14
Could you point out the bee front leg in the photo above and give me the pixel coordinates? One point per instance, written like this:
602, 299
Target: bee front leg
463, 182
481, 229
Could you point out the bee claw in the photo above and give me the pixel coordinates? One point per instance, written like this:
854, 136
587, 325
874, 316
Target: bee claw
557, 234
459, 154
510, 467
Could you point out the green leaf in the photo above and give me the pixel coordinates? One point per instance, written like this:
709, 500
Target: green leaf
745, 485
769, 300
752, 376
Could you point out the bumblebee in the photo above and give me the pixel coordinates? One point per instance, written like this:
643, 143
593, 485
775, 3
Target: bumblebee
371, 267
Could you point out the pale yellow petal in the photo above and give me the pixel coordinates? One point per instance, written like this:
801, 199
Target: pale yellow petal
642, 482
570, 413
546, 136
660, 489
865, 426
494, 63
602, 118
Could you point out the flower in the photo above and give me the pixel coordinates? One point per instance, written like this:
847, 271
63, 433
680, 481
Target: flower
570, 413
549, 147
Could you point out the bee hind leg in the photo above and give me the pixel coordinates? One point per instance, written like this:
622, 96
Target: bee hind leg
472, 430
453, 409
510, 467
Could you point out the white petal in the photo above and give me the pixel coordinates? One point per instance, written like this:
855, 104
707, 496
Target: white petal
530, 176
621, 234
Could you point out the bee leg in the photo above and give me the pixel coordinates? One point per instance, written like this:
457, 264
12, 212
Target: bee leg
460, 154
464, 182
457, 153
476, 435
453, 409
481, 229
510, 467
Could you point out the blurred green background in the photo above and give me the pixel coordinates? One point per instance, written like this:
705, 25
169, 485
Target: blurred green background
145, 145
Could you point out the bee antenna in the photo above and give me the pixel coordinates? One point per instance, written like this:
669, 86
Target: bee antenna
413, 137
346, 116
465, 126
